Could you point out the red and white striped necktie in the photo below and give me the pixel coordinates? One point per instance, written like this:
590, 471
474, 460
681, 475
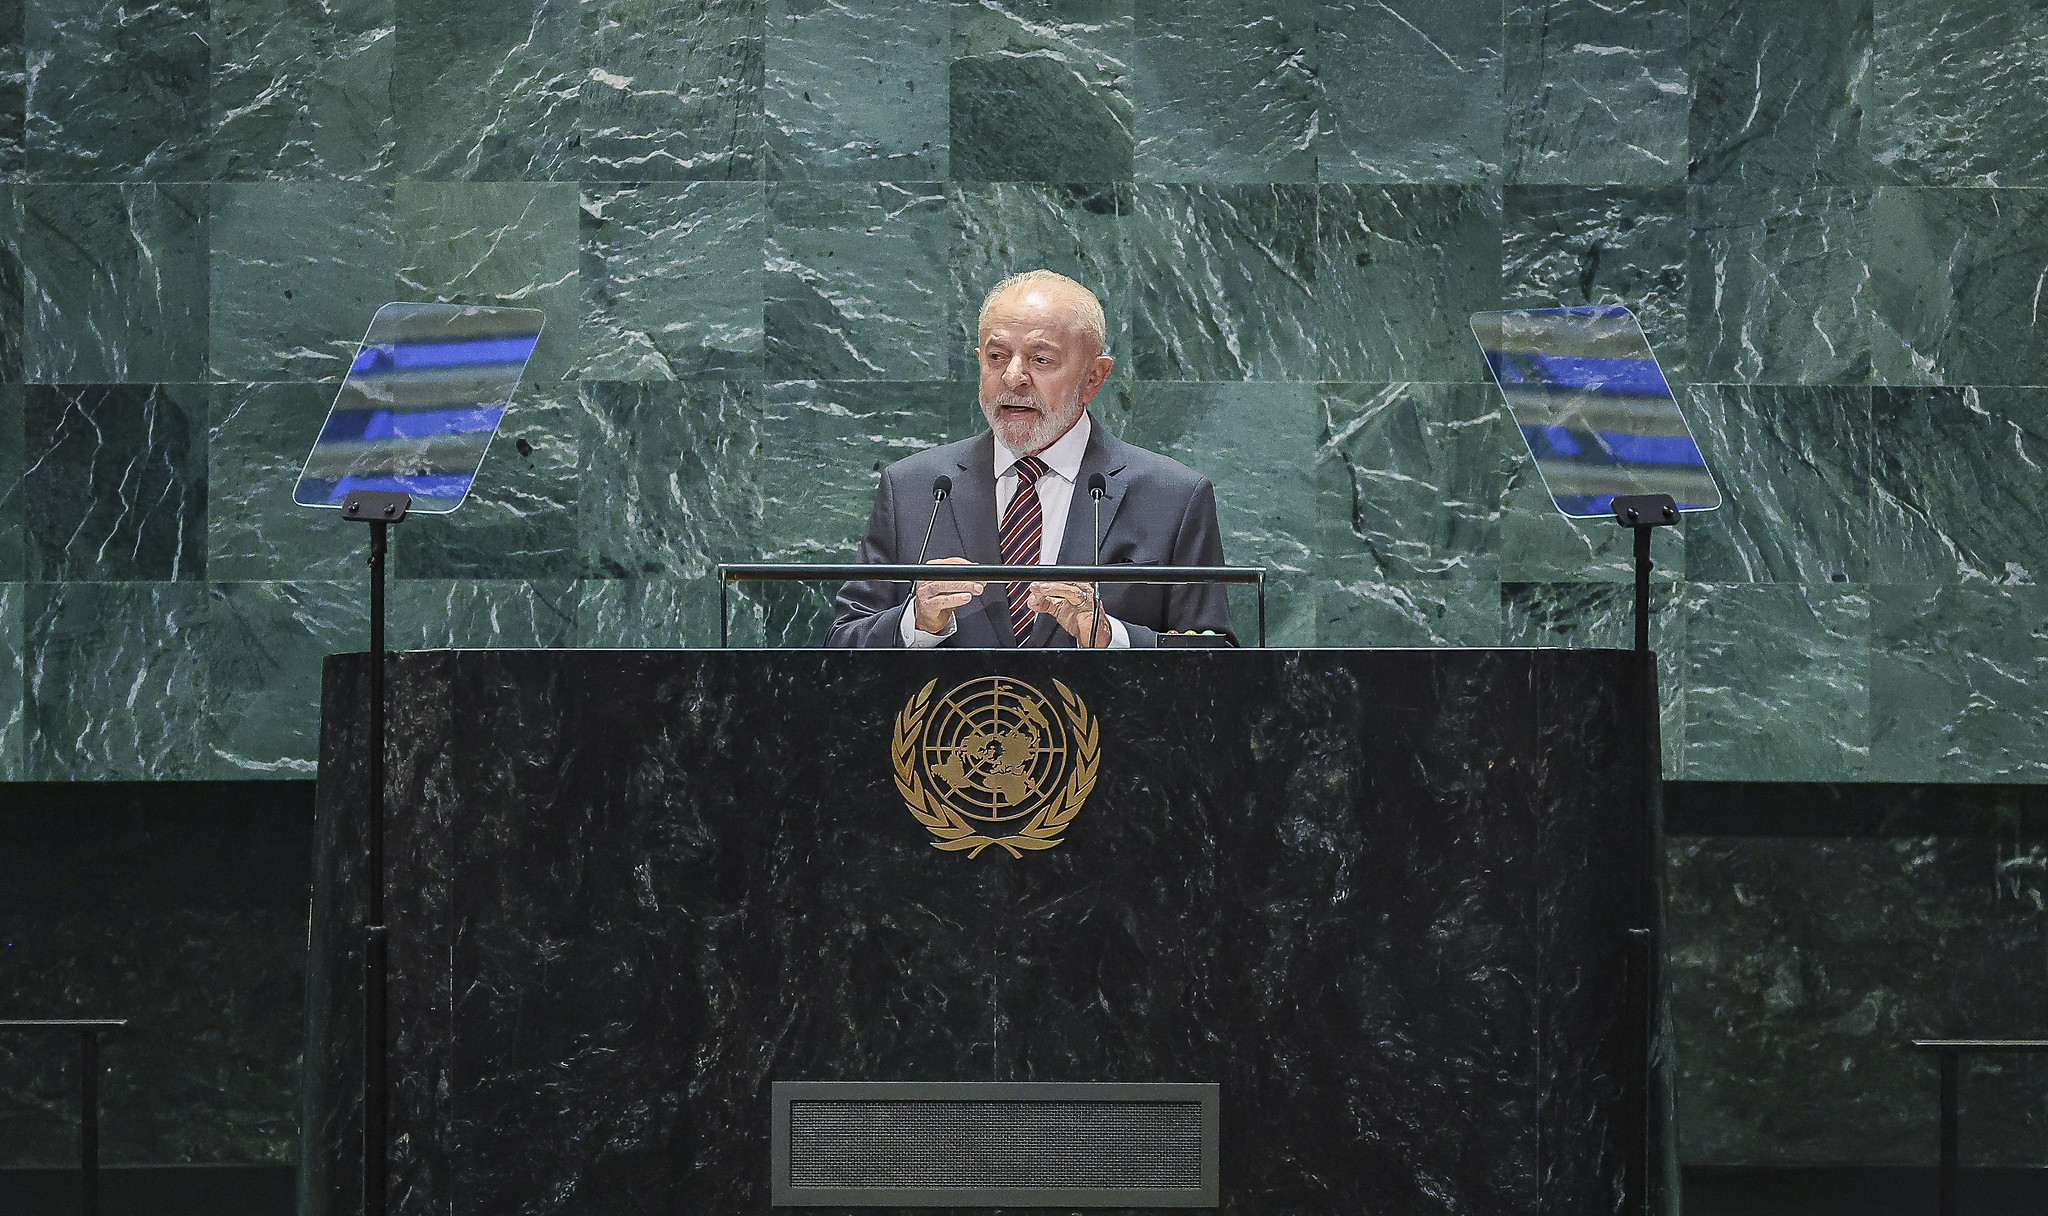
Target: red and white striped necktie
1023, 528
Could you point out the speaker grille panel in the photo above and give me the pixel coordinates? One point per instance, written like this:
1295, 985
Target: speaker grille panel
995, 1144
986, 1144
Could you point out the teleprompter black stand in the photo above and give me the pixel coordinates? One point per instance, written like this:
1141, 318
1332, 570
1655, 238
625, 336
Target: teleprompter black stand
1643, 514
379, 509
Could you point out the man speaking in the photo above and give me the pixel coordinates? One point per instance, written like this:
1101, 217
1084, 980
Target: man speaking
1021, 494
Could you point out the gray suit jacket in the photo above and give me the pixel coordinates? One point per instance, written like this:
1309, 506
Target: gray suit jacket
1157, 512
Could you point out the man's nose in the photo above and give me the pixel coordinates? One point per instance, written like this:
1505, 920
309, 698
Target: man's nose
1013, 371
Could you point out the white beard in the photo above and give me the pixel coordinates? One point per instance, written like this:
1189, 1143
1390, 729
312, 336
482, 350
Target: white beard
1036, 434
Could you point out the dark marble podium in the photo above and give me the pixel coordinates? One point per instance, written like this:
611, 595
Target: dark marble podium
1379, 897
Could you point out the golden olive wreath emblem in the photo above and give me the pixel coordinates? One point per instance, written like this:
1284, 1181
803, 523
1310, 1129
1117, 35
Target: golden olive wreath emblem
994, 762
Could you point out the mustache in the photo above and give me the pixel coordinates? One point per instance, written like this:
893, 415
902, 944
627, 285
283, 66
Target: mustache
1009, 398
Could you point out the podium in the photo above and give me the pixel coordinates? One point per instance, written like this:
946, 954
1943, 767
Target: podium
1379, 899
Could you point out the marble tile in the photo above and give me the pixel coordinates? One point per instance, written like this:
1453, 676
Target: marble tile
114, 483
1007, 227
832, 439
1955, 279
116, 679
1954, 471
1540, 545
1203, 311
1794, 468
1956, 683
672, 280
1412, 481
519, 521
1579, 616
857, 89
1777, 683
286, 304
471, 614
1421, 612
1779, 93
1227, 92
1569, 245
505, 243
13, 759
672, 91
1401, 270
1596, 93
1779, 287
830, 442
484, 91
1252, 441
119, 91
858, 281
1800, 966
13, 499
13, 86
266, 643
256, 444
113, 282
670, 478
1414, 90
648, 613
301, 89
13, 339
1959, 92
1039, 91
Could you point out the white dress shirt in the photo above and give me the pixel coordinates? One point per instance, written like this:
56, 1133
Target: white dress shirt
1055, 489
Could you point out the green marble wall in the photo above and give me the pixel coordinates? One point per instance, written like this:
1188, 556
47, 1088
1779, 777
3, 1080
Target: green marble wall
760, 229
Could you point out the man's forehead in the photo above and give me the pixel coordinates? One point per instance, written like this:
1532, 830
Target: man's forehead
1026, 333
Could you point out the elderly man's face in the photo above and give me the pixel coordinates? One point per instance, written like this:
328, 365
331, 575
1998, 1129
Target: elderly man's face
1037, 372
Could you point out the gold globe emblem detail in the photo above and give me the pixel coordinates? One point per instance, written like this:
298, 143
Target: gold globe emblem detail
995, 762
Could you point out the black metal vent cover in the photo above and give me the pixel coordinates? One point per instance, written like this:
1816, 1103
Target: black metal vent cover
993, 1144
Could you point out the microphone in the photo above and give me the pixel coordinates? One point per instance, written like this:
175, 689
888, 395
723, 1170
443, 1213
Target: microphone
942, 489
1097, 487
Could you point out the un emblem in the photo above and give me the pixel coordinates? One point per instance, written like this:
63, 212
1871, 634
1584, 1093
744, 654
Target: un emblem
993, 762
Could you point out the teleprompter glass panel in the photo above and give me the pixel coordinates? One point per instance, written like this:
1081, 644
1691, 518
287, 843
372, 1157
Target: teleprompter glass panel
1594, 407
420, 404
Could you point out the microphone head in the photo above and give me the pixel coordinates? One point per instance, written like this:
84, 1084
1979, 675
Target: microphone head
942, 486
1096, 485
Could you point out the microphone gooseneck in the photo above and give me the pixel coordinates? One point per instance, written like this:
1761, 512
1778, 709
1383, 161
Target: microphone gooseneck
1097, 487
942, 489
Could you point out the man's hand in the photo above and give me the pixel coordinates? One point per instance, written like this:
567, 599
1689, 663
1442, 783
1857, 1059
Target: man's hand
1073, 607
935, 602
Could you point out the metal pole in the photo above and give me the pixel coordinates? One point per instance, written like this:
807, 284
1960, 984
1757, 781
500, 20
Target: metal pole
1643, 567
375, 956
1262, 610
89, 1119
1950, 1157
722, 585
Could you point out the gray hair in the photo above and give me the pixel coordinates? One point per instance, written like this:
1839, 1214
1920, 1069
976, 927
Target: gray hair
1086, 313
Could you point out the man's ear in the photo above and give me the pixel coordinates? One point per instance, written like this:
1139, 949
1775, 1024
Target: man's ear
1097, 376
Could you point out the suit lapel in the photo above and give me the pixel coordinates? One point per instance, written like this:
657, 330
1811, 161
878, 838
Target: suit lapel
1077, 546
974, 503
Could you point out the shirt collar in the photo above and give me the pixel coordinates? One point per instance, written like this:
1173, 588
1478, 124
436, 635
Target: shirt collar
1063, 457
